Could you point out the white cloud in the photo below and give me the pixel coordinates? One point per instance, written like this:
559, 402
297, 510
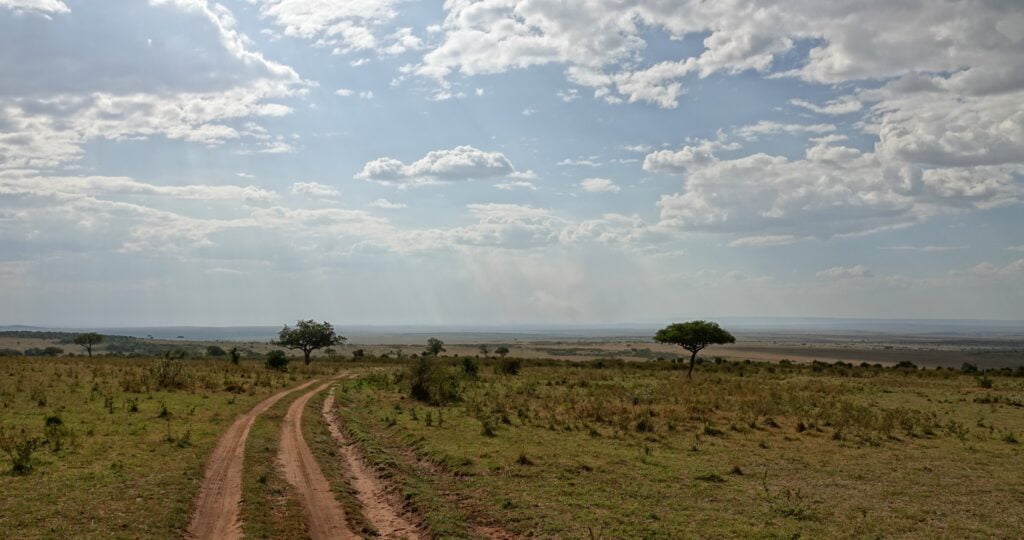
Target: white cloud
459, 163
764, 240
366, 94
764, 127
599, 185
31, 183
843, 105
41, 6
1016, 248
314, 189
529, 111
516, 184
568, 95
582, 162
846, 272
387, 205
344, 92
342, 25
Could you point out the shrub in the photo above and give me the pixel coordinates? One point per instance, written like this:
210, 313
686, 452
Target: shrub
277, 360
432, 383
470, 367
214, 350
906, 364
235, 355
19, 447
510, 366
169, 373
968, 367
54, 432
984, 381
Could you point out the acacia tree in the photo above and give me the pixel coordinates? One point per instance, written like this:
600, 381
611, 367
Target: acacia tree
485, 350
694, 336
308, 336
87, 340
435, 346
501, 351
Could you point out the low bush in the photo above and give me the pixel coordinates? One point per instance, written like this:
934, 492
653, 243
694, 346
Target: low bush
430, 382
277, 360
510, 366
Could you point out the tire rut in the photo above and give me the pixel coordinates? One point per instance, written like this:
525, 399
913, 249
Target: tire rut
325, 516
216, 515
370, 490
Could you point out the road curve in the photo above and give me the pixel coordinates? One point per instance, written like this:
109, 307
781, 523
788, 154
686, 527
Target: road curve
216, 515
324, 515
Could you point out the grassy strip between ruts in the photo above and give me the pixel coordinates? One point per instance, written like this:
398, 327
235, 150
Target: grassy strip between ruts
270, 506
424, 488
325, 450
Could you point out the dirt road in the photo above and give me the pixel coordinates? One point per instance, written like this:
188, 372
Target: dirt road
324, 514
216, 513
377, 506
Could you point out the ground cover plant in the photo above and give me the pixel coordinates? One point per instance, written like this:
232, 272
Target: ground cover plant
615, 449
116, 446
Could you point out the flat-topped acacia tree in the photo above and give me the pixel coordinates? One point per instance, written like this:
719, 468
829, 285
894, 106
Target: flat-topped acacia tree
308, 336
694, 336
87, 340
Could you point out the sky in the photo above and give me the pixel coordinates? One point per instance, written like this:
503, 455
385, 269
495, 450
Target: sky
492, 162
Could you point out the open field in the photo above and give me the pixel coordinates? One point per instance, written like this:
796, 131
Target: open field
615, 447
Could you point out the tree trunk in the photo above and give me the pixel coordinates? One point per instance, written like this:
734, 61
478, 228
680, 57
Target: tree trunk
88, 349
306, 352
693, 358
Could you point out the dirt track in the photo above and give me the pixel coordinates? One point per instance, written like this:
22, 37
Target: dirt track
324, 514
377, 507
216, 513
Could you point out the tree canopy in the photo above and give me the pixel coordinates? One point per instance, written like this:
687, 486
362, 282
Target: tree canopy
694, 336
435, 346
308, 336
87, 340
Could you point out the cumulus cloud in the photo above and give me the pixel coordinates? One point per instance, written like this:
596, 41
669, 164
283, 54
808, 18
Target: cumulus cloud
53, 103
599, 185
439, 166
764, 127
344, 26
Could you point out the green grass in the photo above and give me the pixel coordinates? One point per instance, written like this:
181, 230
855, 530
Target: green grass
745, 450
121, 472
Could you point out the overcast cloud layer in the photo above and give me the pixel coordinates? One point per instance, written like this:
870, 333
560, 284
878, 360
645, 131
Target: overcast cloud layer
509, 161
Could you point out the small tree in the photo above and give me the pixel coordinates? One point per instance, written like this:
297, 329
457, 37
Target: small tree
694, 336
501, 351
435, 346
235, 355
87, 340
308, 336
485, 350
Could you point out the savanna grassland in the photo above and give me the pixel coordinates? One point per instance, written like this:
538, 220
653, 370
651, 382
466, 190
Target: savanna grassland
117, 446
618, 450
472, 447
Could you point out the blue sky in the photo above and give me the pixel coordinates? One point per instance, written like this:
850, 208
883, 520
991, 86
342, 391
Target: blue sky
509, 161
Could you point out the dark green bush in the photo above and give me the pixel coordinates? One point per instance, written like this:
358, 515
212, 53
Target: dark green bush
214, 350
430, 382
470, 367
510, 366
277, 360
